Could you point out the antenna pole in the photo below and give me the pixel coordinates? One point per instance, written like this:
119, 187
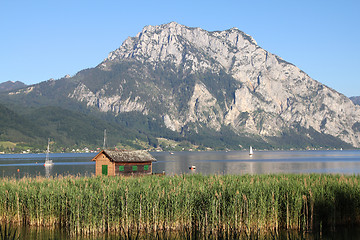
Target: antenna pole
104, 139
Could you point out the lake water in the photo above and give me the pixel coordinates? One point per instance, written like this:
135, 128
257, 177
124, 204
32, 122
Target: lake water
233, 162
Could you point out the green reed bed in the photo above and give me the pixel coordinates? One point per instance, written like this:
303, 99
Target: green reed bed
209, 204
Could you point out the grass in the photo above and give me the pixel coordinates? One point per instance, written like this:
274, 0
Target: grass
208, 204
7, 144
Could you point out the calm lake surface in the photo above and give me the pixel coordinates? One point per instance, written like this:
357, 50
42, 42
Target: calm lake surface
233, 162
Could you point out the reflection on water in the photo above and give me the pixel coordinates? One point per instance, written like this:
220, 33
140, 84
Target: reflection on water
347, 162
30, 233
48, 169
235, 162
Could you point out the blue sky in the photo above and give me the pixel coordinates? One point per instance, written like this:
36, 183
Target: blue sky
49, 39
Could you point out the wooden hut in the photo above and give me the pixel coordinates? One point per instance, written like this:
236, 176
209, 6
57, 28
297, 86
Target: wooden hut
121, 162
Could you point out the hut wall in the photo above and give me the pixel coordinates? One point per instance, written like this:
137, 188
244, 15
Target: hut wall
133, 168
103, 160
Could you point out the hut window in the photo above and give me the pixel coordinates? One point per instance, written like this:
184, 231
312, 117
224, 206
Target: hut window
134, 168
121, 168
146, 167
104, 170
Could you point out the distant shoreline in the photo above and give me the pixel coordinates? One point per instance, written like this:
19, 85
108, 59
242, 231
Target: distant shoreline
243, 150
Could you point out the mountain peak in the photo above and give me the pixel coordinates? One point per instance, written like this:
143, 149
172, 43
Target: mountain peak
170, 25
11, 85
192, 48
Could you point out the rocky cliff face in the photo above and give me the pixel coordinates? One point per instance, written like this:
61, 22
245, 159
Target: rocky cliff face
191, 78
266, 94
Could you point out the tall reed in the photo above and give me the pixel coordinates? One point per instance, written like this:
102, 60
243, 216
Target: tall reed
209, 204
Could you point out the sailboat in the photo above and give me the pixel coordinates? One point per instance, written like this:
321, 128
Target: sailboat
251, 151
48, 161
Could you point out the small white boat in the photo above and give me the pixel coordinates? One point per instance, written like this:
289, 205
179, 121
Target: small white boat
192, 167
251, 151
171, 153
48, 161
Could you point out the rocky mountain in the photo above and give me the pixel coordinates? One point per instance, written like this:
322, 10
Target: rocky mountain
356, 100
207, 86
10, 86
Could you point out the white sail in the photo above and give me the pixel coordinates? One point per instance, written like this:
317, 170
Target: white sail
251, 151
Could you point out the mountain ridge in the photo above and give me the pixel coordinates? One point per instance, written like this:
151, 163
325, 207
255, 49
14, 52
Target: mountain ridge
355, 100
193, 81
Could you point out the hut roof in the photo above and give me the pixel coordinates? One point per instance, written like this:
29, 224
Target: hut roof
128, 156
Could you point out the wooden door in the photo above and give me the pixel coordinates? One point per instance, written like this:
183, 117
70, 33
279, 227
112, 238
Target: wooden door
104, 170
